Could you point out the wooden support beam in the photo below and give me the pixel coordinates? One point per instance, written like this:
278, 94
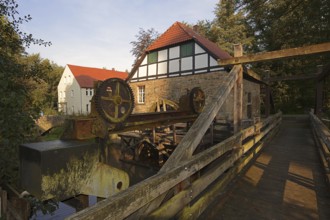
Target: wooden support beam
278, 54
319, 94
194, 210
238, 93
136, 66
180, 200
190, 141
295, 77
129, 201
126, 202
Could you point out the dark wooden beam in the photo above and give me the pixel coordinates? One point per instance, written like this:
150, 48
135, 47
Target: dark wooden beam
294, 77
325, 72
273, 55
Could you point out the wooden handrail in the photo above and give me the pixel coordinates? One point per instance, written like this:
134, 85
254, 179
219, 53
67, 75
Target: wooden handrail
126, 202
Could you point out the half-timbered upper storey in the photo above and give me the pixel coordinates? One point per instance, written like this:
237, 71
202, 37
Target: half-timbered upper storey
177, 52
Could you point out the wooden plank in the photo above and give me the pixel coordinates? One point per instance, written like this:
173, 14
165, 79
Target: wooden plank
176, 203
126, 202
278, 54
247, 146
136, 66
324, 71
193, 211
195, 134
12, 212
190, 141
238, 93
255, 128
0, 202
4, 202
319, 97
254, 75
295, 77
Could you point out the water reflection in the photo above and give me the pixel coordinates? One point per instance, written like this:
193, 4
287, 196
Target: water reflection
113, 151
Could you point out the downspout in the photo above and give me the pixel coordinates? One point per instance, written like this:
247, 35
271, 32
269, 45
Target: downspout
80, 101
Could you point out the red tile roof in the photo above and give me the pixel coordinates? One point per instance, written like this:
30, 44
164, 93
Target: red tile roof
179, 33
87, 75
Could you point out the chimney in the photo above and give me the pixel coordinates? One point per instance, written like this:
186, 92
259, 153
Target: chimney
196, 28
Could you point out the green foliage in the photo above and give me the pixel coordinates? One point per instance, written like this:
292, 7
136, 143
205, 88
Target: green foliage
229, 26
143, 39
20, 77
281, 24
46, 207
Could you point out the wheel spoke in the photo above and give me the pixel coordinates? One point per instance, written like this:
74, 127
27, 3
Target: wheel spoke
126, 100
116, 111
106, 98
117, 88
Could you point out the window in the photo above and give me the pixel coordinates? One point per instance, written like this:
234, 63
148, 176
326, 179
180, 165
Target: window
91, 92
152, 57
249, 106
87, 108
141, 94
86, 92
249, 97
186, 50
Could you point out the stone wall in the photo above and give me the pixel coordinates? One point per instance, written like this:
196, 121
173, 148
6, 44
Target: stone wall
49, 121
174, 88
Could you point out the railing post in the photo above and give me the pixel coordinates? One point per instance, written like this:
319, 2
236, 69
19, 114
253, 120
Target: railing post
238, 93
319, 93
267, 101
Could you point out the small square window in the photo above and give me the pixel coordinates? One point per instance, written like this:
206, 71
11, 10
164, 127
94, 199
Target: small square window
152, 57
186, 50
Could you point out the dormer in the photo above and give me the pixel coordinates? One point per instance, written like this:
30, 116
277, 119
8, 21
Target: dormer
179, 51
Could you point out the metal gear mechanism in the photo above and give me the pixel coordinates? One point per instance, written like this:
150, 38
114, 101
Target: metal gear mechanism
114, 100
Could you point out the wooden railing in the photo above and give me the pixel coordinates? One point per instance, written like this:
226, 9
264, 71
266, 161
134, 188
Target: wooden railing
14, 209
322, 139
218, 164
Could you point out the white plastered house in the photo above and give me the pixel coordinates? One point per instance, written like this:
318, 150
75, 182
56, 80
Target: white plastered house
76, 87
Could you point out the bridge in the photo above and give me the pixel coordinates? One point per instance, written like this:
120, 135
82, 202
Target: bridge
277, 168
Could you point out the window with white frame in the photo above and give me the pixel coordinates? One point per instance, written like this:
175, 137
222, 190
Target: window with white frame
141, 95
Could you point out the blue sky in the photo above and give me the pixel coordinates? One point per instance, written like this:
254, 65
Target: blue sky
97, 33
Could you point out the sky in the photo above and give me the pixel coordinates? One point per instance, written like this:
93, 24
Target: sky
97, 33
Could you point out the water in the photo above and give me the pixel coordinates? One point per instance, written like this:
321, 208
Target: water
66, 208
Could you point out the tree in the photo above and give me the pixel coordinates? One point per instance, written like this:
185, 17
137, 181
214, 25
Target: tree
280, 24
43, 87
229, 26
16, 111
143, 39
